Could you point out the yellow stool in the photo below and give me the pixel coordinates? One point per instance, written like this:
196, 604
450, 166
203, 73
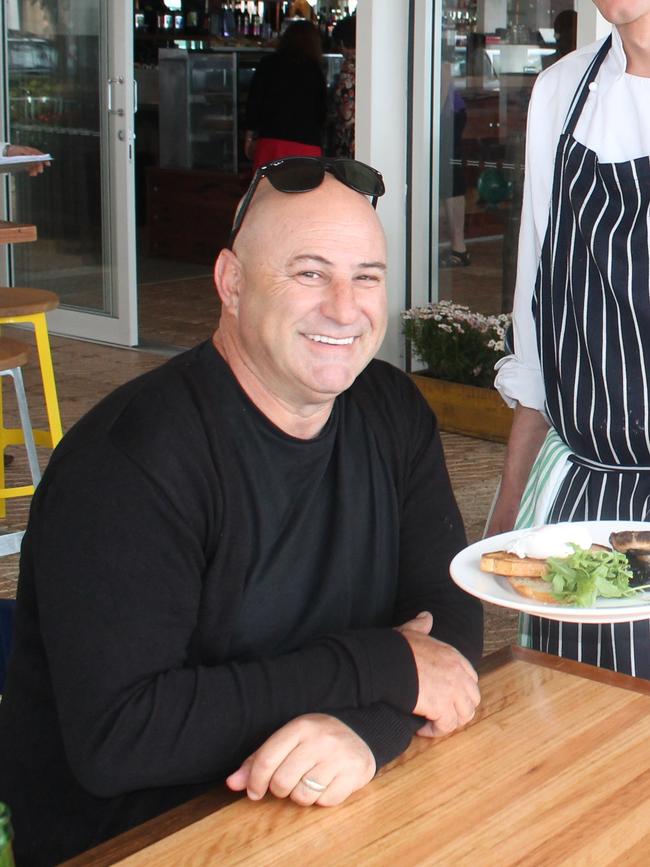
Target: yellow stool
17, 306
13, 356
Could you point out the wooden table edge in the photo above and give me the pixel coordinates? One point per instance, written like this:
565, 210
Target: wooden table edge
153, 830
570, 666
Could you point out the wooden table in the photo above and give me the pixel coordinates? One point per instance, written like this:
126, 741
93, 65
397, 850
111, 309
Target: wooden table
554, 770
16, 233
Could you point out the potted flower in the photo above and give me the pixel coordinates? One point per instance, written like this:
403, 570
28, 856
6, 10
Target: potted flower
460, 348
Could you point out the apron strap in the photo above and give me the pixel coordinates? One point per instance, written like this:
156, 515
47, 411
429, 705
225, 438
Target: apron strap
582, 91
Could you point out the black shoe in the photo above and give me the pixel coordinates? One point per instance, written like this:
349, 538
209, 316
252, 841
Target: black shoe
454, 259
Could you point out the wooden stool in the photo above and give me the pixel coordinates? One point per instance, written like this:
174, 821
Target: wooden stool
13, 356
18, 305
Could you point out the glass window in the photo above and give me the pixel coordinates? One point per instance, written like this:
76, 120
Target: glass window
55, 67
490, 53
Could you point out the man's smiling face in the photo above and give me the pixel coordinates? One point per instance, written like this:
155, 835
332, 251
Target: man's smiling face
312, 304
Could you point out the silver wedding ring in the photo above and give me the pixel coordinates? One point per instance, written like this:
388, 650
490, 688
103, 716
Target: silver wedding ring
314, 785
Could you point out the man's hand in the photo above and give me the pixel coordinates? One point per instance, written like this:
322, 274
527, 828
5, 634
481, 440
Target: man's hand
315, 747
23, 150
448, 685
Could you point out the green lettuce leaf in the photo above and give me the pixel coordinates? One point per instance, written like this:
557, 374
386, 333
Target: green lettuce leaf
585, 575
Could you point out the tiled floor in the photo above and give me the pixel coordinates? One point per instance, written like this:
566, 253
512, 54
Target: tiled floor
177, 313
183, 314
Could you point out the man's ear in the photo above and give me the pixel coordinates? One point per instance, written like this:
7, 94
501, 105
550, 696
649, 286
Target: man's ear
228, 278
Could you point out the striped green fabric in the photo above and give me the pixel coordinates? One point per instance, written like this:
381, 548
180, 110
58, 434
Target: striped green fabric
552, 453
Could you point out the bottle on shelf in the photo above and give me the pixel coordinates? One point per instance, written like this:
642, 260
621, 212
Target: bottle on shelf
138, 17
193, 17
179, 21
148, 11
229, 23
256, 26
240, 19
164, 18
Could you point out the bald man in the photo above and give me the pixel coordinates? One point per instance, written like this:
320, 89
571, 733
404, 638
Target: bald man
236, 566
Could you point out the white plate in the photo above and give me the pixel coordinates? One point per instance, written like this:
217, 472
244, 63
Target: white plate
466, 571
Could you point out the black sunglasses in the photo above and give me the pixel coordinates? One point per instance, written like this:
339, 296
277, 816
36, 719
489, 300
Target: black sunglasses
301, 174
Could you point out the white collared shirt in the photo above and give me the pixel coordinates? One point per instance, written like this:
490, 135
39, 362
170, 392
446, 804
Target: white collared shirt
615, 123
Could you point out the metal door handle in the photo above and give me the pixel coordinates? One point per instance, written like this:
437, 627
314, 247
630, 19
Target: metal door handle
109, 95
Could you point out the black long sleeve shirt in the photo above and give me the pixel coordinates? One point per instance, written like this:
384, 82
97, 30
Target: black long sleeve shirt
192, 578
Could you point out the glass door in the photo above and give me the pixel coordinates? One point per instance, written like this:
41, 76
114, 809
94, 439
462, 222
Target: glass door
480, 60
71, 93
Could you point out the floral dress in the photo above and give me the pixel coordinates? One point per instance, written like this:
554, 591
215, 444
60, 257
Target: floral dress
343, 111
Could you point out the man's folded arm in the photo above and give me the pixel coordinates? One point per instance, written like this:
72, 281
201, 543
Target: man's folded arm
120, 603
431, 534
387, 731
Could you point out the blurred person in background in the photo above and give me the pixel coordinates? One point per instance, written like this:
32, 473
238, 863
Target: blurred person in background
343, 93
287, 104
566, 31
453, 119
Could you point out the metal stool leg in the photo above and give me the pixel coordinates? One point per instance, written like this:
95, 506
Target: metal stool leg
10, 542
17, 375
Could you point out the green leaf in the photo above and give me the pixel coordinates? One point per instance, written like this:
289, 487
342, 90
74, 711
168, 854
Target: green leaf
585, 575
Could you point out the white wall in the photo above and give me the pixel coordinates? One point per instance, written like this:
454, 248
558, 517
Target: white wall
380, 130
492, 14
591, 24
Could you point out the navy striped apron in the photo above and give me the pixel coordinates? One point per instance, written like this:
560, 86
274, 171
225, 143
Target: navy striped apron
592, 313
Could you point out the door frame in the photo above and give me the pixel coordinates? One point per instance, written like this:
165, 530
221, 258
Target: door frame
117, 136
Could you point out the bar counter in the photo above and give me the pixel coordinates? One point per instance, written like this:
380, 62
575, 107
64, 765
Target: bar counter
554, 769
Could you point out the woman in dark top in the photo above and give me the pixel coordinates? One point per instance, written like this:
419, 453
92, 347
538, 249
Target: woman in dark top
287, 103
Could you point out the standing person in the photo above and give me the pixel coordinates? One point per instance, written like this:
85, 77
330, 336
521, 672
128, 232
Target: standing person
287, 102
236, 567
579, 377
565, 27
343, 92
452, 172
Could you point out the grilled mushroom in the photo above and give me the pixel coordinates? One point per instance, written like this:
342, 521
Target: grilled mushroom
635, 544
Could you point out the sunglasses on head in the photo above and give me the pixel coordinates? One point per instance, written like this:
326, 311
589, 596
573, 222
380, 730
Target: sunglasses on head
301, 174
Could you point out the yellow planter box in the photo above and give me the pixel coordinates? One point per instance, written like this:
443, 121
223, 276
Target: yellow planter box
466, 409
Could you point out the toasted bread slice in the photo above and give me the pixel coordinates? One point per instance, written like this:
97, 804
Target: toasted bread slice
525, 574
508, 564
505, 563
533, 588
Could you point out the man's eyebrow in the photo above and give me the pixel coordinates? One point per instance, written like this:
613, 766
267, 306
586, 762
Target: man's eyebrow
314, 257
380, 265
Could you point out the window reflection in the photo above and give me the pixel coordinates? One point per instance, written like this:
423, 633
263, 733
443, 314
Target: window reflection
491, 54
54, 65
